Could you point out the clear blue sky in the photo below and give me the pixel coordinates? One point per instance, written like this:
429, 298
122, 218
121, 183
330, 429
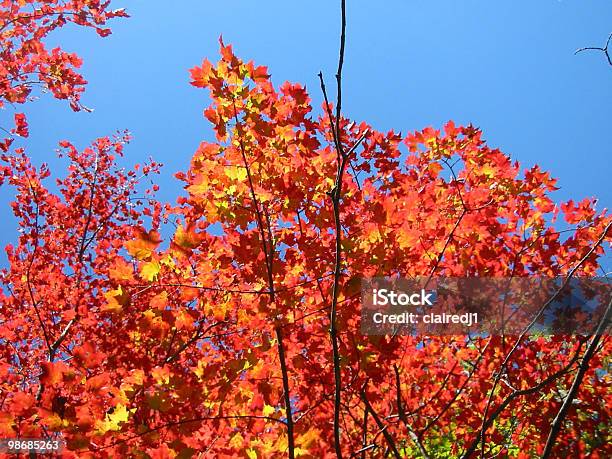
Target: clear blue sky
505, 66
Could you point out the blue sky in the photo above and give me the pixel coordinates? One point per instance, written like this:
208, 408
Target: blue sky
505, 66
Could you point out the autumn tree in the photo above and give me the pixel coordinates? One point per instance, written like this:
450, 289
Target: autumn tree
26, 62
228, 324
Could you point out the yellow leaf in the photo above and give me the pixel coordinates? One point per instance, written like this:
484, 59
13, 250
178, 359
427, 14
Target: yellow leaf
113, 421
187, 238
309, 438
150, 270
237, 441
161, 375
116, 299
168, 261
488, 171
268, 410
55, 423
236, 173
374, 236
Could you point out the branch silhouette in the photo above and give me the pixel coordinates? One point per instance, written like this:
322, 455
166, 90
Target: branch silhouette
604, 50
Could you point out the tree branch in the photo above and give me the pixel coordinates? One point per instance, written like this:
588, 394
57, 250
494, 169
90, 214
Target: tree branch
604, 50
335, 195
269, 256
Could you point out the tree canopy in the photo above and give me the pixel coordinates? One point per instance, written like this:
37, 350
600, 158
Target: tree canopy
227, 324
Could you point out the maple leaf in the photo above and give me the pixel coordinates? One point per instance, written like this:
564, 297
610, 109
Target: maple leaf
186, 239
150, 270
144, 244
115, 418
21, 126
116, 300
268, 410
54, 372
121, 270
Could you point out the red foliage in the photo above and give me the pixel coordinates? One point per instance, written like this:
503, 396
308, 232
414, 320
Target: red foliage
126, 345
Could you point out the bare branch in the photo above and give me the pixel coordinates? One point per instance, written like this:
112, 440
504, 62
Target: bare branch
604, 50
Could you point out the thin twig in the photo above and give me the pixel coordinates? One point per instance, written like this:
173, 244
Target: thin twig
335, 195
604, 50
